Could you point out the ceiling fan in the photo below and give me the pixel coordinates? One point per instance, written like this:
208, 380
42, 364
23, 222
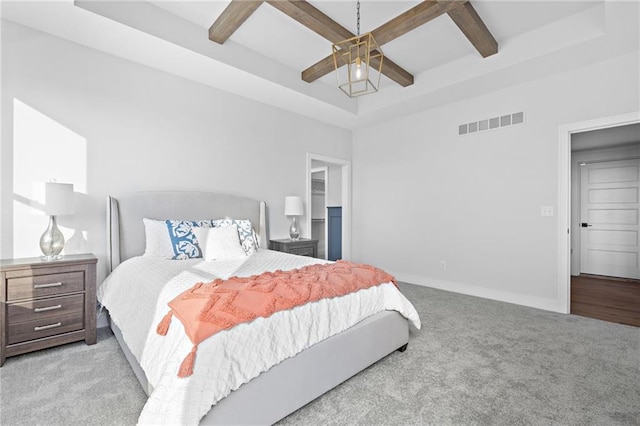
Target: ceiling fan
460, 11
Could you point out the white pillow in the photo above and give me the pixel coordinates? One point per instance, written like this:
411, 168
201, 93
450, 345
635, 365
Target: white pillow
248, 238
221, 243
158, 241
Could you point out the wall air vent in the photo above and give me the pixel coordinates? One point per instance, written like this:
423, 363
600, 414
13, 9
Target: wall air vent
491, 123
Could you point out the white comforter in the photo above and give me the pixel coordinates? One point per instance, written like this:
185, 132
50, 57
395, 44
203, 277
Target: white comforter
136, 295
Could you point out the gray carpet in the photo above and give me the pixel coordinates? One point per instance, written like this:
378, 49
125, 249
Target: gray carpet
475, 362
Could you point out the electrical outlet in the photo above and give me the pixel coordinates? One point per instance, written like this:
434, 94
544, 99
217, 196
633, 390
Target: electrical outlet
546, 211
443, 265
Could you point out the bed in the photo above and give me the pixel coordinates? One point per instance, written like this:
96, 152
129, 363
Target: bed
291, 383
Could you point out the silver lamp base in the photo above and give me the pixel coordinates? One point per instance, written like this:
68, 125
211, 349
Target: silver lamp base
294, 231
52, 241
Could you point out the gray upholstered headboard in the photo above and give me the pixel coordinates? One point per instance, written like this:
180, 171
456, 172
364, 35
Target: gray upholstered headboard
125, 230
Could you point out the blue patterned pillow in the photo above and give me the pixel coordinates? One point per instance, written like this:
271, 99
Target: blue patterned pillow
247, 235
183, 241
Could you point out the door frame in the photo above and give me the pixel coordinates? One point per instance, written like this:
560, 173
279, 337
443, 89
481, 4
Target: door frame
324, 170
564, 195
346, 198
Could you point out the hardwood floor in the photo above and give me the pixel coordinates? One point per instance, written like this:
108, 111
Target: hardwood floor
606, 298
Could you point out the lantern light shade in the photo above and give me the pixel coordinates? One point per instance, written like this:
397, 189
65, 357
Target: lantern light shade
358, 63
293, 206
58, 198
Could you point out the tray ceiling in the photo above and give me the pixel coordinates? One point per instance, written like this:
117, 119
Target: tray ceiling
264, 58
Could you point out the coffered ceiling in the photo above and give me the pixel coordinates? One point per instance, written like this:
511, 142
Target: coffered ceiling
265, 57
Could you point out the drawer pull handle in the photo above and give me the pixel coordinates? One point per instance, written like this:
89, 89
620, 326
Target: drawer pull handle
46, 327
47, 285
47, 308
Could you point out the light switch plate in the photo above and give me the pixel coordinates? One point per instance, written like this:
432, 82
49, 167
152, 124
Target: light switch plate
546, 211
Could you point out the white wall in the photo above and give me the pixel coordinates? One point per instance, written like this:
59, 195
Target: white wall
590, 156
422, 194
110, 126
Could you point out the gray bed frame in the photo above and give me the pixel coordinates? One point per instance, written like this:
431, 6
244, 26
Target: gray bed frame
294, 382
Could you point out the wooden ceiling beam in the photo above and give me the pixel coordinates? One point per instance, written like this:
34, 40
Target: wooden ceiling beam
392, 70
312, 18
398, 26
472, 26
389, 68
231, 18
413, 18
321, 24
461, 12
318, 70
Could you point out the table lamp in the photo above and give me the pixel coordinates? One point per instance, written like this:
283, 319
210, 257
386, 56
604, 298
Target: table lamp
58, 201
293, 208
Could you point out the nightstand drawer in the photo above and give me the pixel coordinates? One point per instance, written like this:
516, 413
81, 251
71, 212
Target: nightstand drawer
303, 251
44, 285
45, 327
34, 310
301, 247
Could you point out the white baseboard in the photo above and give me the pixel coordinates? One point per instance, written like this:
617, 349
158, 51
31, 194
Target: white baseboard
486, 293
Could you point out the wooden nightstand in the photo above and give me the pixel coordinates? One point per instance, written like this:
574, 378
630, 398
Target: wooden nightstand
302, 247
45, 304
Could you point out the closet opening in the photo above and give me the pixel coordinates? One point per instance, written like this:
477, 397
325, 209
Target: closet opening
329, 206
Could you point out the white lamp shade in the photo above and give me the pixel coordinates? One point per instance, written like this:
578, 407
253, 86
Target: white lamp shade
58, 198
293, 206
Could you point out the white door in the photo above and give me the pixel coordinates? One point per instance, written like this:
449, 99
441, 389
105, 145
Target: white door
609, 218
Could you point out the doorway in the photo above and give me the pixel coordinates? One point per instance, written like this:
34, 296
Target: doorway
603, 211
337, 196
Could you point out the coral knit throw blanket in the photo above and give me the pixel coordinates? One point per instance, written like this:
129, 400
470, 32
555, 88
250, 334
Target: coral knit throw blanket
206, 309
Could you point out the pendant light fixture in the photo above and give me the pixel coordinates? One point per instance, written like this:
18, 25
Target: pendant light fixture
363, 59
